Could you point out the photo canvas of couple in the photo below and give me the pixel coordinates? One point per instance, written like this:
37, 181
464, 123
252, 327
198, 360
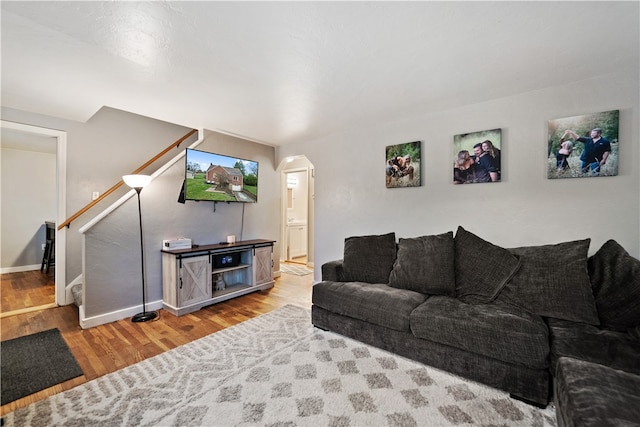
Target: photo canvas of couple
583, 146
403, 165
477, 157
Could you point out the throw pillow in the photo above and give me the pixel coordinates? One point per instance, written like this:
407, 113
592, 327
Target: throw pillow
426, 265
615, 279
553, 282
369, 259
482, 269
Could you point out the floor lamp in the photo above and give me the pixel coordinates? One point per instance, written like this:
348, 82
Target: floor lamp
137, 182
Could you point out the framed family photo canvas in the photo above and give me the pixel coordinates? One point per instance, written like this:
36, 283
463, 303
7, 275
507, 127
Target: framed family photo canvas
403, 165
583, 146
476, 157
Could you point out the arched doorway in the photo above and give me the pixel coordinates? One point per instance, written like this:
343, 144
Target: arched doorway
297, 221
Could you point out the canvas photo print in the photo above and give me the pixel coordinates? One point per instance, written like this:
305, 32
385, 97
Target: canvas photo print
403, 165
477, 157
583, 146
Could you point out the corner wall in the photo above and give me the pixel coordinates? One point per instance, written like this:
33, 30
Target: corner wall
112, 287
524, 209
112, 143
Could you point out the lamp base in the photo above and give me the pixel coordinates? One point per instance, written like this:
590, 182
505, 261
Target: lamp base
145, 316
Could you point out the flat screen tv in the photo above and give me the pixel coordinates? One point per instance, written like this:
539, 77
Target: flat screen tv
218, 178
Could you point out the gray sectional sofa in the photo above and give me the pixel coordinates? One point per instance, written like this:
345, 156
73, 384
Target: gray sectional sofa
507, 318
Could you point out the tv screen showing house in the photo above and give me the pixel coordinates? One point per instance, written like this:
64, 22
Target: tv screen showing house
219, 178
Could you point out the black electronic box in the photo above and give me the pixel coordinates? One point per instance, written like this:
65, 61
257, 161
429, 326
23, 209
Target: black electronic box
226, 260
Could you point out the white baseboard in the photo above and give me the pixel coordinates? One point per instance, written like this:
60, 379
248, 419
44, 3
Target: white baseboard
90, 322
20, 269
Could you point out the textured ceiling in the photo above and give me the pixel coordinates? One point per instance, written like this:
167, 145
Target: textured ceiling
281, 72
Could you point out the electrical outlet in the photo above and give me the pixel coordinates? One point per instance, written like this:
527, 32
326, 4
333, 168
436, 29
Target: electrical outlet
95, 195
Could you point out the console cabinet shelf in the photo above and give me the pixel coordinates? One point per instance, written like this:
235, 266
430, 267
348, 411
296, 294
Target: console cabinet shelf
191, 281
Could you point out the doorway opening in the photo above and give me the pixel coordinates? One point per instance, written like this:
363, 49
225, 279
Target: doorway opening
58, 138
297, 189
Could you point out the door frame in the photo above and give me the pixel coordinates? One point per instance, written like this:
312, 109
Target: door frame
284, 233
61, 186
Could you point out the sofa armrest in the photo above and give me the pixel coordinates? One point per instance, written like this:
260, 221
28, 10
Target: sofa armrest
332, 271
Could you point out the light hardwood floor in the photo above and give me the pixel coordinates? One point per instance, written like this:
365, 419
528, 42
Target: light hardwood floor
113, 346
27, 289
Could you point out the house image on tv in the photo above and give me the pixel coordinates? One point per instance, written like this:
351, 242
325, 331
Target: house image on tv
217, 174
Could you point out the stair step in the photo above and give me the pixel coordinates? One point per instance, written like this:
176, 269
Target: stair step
76, 291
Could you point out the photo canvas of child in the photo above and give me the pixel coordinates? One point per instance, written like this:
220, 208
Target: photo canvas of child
403, 165
583, 146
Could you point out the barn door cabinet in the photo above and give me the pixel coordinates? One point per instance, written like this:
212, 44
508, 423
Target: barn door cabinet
204, 275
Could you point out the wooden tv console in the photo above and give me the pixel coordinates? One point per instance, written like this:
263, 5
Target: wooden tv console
190, 279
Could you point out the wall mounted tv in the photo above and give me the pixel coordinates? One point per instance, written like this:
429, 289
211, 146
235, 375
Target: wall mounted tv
217, 178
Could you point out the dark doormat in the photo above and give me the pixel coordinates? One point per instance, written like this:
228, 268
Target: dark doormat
35, 362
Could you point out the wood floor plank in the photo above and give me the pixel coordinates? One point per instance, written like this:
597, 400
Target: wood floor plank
26, 289
107, 348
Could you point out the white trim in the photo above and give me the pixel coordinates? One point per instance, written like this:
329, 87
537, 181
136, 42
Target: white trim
61, 190
90, 322
115, 205
20, 269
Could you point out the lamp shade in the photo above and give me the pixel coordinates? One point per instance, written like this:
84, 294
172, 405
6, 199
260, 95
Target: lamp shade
136, 181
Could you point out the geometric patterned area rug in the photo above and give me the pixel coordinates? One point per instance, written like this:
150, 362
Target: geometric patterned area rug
298, 270
278, 370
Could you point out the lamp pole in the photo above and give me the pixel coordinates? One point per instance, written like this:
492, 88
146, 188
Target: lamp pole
137, 182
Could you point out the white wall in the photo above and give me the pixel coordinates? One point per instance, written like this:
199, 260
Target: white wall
297, 182
524, 209
28, 200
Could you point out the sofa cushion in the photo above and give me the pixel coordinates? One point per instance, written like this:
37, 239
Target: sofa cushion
615, 279
586, 342
502, 333
425, 264
553, 282
369, 258
482, 269
377, 303
592, 395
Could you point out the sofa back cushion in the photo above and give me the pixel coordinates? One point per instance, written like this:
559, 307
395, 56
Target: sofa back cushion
369, 259
482, 269
425, 264
615, 279
553, 282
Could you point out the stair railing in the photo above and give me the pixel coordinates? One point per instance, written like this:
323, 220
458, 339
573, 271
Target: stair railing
91, 204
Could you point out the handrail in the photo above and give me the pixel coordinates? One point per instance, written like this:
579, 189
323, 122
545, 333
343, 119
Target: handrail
119, 184
115, 205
